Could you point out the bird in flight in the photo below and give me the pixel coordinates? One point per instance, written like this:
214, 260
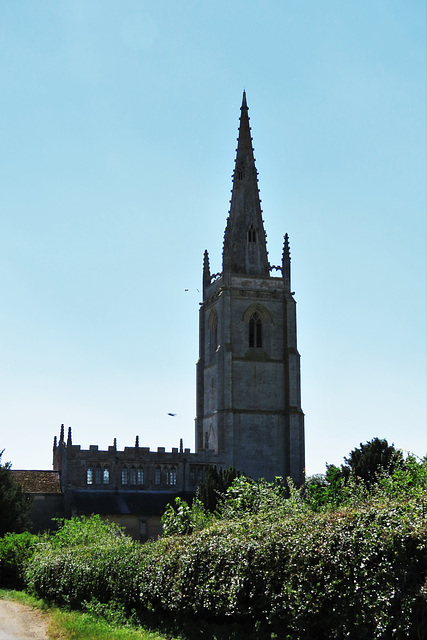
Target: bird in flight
172, 414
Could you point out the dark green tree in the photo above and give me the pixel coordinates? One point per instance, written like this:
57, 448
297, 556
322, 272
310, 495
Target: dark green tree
214, 485
371, 460
14, 504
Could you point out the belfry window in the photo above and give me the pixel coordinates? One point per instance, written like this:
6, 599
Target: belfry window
255, 331
251, 234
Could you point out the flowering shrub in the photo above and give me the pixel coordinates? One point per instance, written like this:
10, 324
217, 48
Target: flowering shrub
16, 549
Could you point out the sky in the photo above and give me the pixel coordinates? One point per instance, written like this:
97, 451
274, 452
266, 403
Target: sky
118, 133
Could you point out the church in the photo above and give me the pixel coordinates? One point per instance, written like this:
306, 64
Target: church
248, 395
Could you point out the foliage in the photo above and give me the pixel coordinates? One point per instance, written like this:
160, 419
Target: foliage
275, 565
83, 531
214, 485
373, 464
183, 518
16, 549
246, 496
373, 459
14, 505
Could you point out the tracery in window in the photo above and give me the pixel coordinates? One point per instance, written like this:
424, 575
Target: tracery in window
255, 331
157, 475
171, 476
98, 475
132, 475
106, 476
140, 476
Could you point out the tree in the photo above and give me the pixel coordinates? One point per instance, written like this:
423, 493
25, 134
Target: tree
372, 459
14, 504
214, 485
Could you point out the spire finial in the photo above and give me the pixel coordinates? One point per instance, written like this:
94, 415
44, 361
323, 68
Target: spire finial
206, 272
69, 440
286, 263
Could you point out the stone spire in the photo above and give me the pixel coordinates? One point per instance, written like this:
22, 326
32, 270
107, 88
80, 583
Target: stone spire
245, 250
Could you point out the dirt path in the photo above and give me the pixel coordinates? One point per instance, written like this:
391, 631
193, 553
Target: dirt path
20, 622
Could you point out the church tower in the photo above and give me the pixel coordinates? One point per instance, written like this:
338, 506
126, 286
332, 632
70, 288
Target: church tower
248, 374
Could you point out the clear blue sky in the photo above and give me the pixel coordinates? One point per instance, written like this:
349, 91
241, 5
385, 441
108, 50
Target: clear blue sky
118, 133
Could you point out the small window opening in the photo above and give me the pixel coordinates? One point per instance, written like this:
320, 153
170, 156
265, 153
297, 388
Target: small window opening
255, 331
251, 234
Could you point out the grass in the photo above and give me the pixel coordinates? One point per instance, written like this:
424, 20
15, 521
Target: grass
74, 625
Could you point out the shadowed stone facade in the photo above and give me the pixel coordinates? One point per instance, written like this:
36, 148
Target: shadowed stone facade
248, 383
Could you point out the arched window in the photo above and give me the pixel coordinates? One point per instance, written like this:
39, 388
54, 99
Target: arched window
89, 476
125, 475
171, 476
132, 475
106, 476
98, 475
251, 234
140, 476
255, 331
157, 475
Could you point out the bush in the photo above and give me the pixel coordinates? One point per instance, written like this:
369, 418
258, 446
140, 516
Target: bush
16, 550
354, 572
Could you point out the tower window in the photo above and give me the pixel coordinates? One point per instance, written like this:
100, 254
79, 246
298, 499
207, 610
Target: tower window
255, 331
251, 234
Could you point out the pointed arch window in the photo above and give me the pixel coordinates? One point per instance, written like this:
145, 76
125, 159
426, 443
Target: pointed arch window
132, 475
255, 331
125, 478
140, 476
157, 475
98, 474
251, 234
89, 476
106, 476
